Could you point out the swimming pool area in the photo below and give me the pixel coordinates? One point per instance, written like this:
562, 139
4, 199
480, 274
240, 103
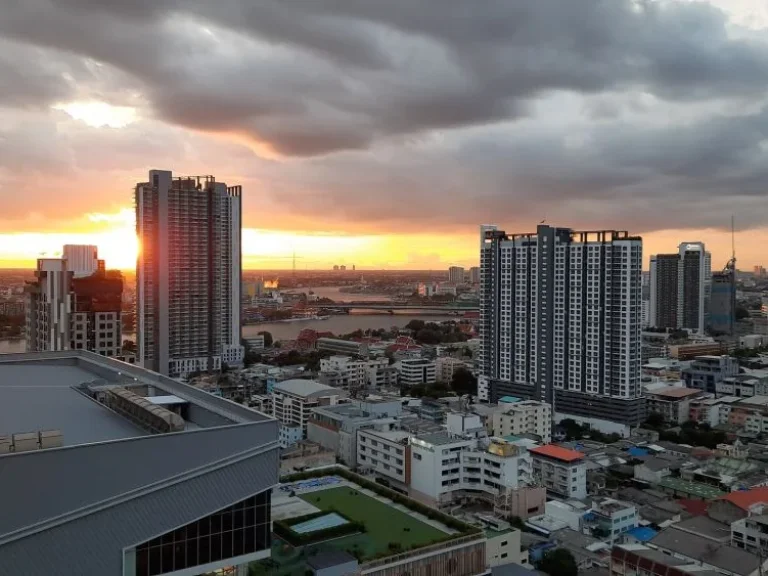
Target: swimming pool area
330, 520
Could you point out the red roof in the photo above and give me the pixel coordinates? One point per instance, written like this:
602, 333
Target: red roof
558, 453
695, 507
747, 498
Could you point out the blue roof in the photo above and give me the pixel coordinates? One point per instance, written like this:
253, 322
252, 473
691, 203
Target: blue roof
642, 533
635, 451
509, 399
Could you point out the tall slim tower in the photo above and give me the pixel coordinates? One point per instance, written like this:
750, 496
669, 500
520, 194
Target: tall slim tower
188, 274
560, 316
694, 286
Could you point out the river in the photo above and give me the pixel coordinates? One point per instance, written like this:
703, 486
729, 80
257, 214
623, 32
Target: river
289, 330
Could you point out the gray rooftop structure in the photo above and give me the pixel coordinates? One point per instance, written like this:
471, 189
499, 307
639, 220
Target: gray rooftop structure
308, 389
89, 506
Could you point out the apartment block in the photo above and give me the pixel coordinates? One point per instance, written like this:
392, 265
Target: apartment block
560, 315
462, 461
561, 471
343, 372
188, 274
706, 372
445, 366
293, 401
615, 518
385, 453
456, 275
416, 371
524, 417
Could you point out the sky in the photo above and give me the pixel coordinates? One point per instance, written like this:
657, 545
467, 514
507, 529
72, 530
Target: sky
382, 134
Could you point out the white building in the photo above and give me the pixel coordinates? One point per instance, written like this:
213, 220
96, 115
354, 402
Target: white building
381, 374
188, 274
445, 366
82, 260
66, 311
524, 417
343, 372
615, 518
560, 315
751, 533
456, 275
385, 453
463, 461
293, 400
561, 471
256, 343
416, 371
289, 434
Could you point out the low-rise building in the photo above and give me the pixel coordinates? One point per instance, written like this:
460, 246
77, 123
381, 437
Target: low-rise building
635, 560
343, 372
524, 417
463, 461
293, 400
706, 372
751, 533
384, 452
614, 518
290, 434
743, 386
737, 505
672, 402
255, 343
561, 471
340, 346
445, 366
654, 470
416, 371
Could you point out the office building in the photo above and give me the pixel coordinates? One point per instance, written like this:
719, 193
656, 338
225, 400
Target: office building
456, 275
561, 471
722, 305
560, 320
524, 417
416, 371
663, 299
384, 452
462, 461
68, 311
82, 260
188, 274
694, 287
293, 401
112, 470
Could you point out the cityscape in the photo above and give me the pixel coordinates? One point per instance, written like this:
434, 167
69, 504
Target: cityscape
282, 353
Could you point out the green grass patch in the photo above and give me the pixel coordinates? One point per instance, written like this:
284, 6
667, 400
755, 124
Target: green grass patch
387, 529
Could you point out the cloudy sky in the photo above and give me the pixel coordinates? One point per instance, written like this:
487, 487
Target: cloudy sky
383, 133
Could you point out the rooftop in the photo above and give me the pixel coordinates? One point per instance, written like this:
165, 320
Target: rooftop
438, 439
706, 551
558, 453
694, 488
745, 499
674, 392
706, 527
308, 389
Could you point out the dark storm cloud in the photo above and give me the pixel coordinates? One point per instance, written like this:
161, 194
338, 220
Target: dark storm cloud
404, 112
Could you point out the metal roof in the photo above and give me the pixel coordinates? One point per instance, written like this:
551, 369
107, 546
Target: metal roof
307, 388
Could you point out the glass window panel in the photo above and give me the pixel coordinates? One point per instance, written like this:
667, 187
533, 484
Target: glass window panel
250, 539
204, 550
238, 543
192, 545
179, 555
226, 521
155, 562
216, 547
167, 559
142, 561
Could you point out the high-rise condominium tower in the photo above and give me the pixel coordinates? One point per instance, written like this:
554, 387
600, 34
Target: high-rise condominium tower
681, 286
188, 275
75, 308
456, 275
560, 319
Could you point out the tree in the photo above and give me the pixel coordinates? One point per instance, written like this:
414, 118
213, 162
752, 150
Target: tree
558, 562
427, 336
464, 382
268, 341
415, 325
654, 421
741, 313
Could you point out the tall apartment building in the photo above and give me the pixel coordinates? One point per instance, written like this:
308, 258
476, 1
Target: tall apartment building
560, 320
188, 275
69, 311
456, 275
681, 287
474, 275
82, 260
664, 288
722, 304
561, 471
694, 287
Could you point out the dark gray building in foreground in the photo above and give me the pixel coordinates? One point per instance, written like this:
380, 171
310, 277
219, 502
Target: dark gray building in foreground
110, 469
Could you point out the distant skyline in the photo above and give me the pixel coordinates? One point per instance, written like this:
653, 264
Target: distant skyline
382, 134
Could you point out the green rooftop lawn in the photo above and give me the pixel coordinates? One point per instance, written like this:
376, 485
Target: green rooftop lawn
383, 523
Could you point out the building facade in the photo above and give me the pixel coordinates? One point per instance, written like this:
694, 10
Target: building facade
188, 274
524, 417
416, 371
560, 315
561, 471
68, 311
706, 372
722, 305
456, 275
663, 290
82, 260
695, 286
385, 453
293, 401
